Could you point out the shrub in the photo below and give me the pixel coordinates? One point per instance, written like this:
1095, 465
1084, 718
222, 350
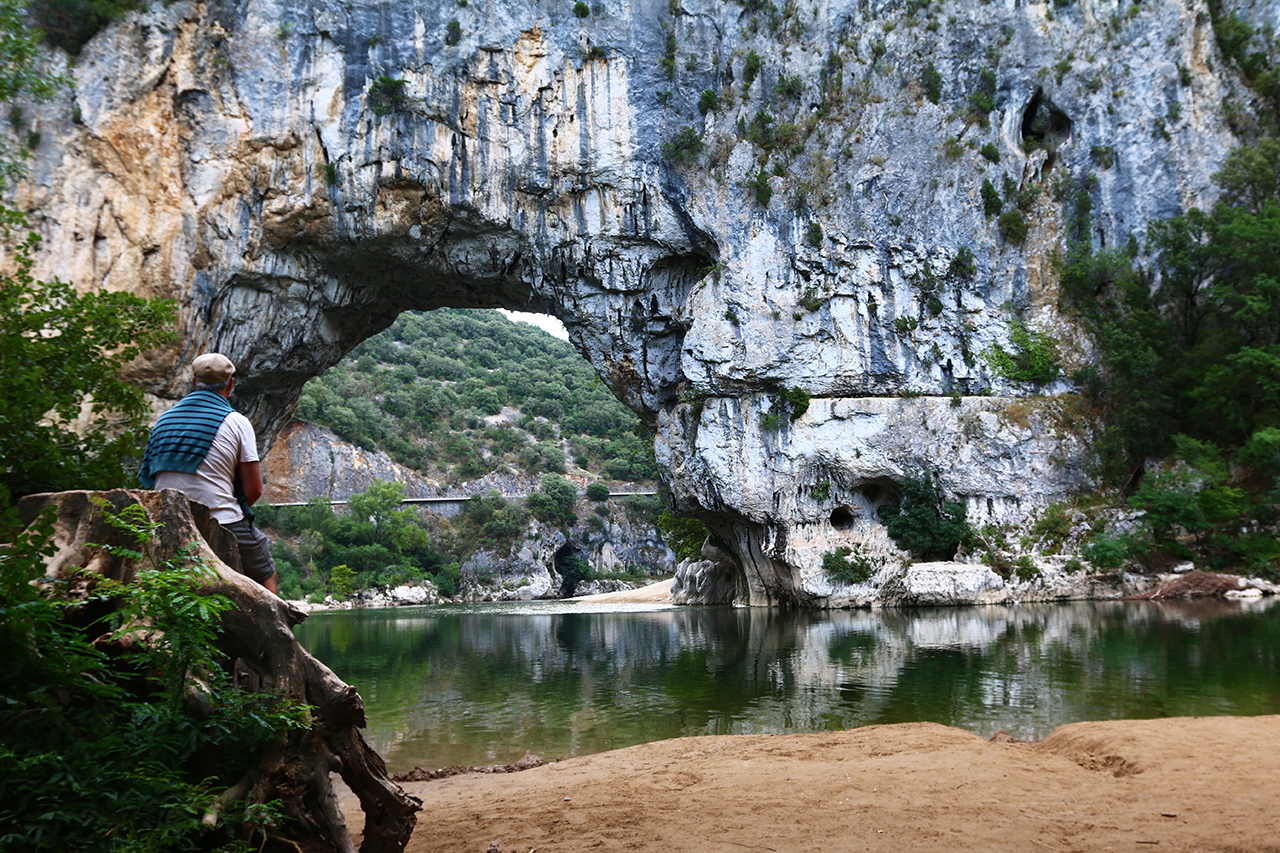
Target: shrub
850, 565
788, 88
452, 32
905, 325
683, 535
931, 83
581, 9
758, 183
684, 147
990, 151
751, 68
1034, 359
554, 500
1106, 552
982, 101
598, 492
708, 102
1013, 227
991, 201
963, 265
60, 355
1103, 155
107, 750
813, 235
924, 523
386, 95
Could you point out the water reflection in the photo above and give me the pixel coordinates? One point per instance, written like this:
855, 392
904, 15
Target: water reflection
481, 684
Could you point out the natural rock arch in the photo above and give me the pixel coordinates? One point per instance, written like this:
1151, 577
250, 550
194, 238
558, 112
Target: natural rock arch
232, 158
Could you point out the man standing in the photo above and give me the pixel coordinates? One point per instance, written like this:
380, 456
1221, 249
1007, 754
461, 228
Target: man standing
207, 450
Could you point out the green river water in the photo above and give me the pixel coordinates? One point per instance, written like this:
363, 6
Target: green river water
481, 684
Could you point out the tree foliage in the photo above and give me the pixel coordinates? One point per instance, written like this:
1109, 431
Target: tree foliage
926, 523
146, 761
422, 389
67, 420
684, 535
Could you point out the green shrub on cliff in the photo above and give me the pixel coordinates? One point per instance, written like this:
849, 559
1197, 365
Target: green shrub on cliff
925, 523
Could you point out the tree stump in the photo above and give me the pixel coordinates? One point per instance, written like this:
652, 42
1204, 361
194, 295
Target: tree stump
263, 656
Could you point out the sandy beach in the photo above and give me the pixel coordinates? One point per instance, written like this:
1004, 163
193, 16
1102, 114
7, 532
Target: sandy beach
1199, 784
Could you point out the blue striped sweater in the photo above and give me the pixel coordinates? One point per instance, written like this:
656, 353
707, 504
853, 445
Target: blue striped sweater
182, 437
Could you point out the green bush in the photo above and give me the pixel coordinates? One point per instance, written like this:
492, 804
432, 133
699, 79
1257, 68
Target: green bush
963, 265
453, 33
553, 501
581, 9
67, 421
684, 147
925, 523
1013, 227
991, 201
751, 68
849, 565
982, 100
1106, 552
683, 535
1034, 359
708, 102
931, 83
107, 751
813, 234
990, 152
758, 183
598, 492
386, 95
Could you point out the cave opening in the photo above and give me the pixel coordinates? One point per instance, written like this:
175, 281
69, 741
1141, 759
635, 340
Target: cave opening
572, 568
1044, 125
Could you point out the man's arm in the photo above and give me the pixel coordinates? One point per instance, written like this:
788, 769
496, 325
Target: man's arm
250, 474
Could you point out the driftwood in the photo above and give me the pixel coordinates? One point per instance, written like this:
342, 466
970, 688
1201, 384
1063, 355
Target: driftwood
257, 639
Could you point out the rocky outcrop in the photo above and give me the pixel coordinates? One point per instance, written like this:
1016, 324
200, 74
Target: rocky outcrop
296, 173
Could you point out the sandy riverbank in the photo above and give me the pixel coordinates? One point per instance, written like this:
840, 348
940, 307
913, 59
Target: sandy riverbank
1200, 784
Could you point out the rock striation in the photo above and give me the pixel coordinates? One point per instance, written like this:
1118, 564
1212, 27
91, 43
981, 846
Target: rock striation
723, 201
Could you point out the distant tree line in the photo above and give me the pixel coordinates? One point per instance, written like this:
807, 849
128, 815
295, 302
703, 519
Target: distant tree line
423, 389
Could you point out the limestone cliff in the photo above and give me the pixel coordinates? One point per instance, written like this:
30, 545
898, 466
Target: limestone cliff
821, 225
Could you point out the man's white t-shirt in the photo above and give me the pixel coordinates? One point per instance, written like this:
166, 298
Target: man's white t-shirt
212, 483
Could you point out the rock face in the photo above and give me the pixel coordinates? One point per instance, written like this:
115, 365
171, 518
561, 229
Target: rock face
295, 173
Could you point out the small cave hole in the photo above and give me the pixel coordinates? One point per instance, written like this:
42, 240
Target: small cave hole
842, 518
1044, 125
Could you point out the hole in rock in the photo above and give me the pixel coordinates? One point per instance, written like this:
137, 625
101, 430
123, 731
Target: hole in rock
572, 568
842, 518
462, 402
1044, 125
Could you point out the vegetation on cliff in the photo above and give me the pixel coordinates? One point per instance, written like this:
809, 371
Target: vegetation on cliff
459, 394
1189, 355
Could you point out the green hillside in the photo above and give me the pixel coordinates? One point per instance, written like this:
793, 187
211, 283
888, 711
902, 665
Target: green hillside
457, 394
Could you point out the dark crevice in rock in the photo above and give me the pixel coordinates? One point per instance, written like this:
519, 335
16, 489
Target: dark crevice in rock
1044, 125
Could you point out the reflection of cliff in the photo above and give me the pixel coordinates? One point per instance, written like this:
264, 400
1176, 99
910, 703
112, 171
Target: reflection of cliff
448, 687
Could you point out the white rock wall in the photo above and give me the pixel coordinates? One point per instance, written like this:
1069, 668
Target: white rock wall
525, 169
